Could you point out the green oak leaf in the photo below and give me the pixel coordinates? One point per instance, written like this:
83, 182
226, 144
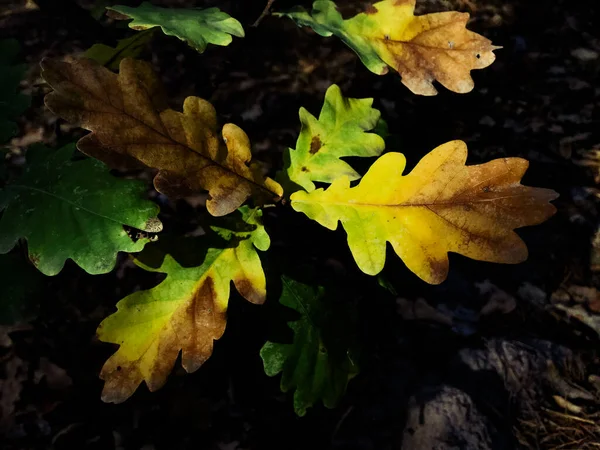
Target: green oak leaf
12, 103
130, 47
73, 209
341, 130
20, 289
198, 27
319, 361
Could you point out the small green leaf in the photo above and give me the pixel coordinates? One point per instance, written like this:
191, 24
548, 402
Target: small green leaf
318, 363
76, 210
198, 27
341, 130
130, 47
12, 103
20, 289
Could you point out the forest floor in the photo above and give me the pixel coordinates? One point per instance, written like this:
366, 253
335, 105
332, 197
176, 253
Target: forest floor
497, 357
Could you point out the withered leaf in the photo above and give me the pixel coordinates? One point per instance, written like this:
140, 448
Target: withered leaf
131, 124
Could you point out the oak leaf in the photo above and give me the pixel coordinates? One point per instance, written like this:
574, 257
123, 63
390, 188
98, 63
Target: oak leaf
186, 312
341, 131
131, 124
441, 206
318, 363
421, 48
73, 209
198, 27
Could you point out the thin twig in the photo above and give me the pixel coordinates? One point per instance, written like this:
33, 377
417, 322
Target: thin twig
264, 13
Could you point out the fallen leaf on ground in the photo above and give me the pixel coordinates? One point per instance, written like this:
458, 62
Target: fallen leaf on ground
441, 206
186, 312
131, 125
421, 48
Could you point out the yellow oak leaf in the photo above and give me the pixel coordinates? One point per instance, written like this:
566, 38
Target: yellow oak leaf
421, 48
186, 312
441, 206
132, 126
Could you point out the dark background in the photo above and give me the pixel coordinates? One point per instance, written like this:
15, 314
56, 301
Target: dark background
539, 100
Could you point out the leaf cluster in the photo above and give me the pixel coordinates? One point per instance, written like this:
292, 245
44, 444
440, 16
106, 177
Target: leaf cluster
64, 207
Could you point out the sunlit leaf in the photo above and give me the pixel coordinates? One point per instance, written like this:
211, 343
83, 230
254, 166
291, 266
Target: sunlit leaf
73, 209
197, 27
421, 48
184, 313
132, 125
340, 131
441, 206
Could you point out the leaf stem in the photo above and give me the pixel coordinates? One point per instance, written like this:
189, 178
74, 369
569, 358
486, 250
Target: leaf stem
264, 13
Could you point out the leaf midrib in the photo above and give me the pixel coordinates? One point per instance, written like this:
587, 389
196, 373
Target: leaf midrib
406, 205
166, 136
63, 199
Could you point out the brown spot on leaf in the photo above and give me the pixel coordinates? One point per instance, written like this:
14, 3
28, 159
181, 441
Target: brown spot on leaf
35, 259
248, 291
371, 10
304, 169
439, 270
315, 145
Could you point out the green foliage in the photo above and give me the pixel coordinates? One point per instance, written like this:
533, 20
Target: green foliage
12, 103
197, 27
73, 209
320, 360
111, 57
340, 131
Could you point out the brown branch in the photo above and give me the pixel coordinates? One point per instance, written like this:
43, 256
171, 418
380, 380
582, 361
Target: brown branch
264, 13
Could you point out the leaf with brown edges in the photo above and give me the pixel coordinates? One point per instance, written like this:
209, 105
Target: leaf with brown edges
441, 206
422, 49
132, 126
186, 312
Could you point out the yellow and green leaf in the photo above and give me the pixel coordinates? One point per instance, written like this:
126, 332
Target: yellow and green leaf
441, 206
132, 126
186, 312
341, 131
421, 48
